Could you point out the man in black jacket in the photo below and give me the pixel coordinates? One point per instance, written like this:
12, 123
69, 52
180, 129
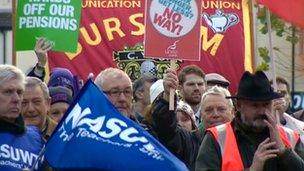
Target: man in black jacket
253, 140
182, 143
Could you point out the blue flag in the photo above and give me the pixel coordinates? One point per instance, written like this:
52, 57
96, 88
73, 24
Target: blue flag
94, 135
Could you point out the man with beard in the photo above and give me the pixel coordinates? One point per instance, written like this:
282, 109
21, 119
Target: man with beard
182, 143
191, 87
253, 140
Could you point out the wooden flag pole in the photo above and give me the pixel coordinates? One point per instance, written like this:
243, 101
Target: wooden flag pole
172, 91
272, 59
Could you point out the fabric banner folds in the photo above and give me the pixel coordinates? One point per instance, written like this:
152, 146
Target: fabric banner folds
292, 11
112, 33
104, 139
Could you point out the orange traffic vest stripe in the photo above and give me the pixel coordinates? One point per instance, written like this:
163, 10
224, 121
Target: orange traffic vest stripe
231, 158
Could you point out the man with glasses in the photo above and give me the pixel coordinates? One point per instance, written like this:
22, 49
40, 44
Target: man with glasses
117, 85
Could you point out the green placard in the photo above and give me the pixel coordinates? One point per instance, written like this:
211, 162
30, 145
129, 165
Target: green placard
56, 20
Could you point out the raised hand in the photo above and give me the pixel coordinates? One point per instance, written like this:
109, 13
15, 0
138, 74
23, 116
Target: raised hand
280, 105
170, 81
274, 132
266, 150
42, 46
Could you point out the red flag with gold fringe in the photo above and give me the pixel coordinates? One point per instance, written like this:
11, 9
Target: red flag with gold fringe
291, 11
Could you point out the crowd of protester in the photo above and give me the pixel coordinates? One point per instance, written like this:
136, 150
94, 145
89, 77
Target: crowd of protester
209, 129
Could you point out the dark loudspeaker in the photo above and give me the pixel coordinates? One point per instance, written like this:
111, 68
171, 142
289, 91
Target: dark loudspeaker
5, 21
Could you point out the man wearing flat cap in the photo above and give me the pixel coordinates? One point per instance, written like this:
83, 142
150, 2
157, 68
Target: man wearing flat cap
253, 140
213, 79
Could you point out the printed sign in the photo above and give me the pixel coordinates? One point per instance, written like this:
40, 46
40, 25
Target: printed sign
57, 21
298, 101
173, 29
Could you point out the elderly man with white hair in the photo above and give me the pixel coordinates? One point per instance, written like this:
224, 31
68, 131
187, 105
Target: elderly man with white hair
181, 142
117, 85
216, 109
16, 139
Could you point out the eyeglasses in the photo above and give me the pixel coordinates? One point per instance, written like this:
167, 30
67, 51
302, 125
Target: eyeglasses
116, 92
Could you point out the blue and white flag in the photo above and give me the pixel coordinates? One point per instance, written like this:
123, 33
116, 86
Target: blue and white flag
94, 135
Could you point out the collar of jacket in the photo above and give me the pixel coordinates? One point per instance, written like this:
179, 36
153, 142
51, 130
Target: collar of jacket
50, 126
17, 127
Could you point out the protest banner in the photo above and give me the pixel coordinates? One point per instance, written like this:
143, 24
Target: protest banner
105, 139
173, 29
57, 21
112, 34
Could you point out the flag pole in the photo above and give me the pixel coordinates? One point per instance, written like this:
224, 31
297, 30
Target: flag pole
272, 58
254, 27
41, 153
172, 91
293, 65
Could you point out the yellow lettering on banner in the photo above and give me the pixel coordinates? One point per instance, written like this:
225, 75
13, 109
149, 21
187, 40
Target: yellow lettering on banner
220, 5
111, 25
214, 42
111, 4
136, 4
110, 29
103, 4
127, 4
86, 36
92, 3
71, 56
140, 26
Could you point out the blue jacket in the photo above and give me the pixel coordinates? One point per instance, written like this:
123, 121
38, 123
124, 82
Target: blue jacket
19, 151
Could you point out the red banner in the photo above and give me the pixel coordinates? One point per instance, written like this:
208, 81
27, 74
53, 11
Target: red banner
292, 11
177, 26
112, 32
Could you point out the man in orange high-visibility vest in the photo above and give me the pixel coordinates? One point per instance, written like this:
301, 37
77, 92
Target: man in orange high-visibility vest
184, 144
252, 140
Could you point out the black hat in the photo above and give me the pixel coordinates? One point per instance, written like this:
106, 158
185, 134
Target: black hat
255, 87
